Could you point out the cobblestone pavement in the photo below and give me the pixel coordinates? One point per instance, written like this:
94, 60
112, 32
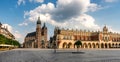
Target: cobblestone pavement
48, 55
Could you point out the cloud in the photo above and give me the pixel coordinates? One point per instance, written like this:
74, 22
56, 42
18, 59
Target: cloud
37, 1
83, 21
68, 13
19, 2
17, 35
110, 1
23, 24
66, 9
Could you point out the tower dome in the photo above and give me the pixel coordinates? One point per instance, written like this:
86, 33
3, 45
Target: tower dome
105, 29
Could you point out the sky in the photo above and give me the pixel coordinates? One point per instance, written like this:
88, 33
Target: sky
20, 16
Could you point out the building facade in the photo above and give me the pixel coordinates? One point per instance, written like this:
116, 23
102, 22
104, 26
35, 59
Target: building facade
89, 39
4, 31
37, 39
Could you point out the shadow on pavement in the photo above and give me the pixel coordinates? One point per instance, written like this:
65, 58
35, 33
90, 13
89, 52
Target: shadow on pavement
68, 52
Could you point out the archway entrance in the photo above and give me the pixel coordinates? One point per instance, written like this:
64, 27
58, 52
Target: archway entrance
116, 45
93, 45
102, 45
64, 45
106, 46
97, 45
119, 45
85, 45
69, 45
109, 45
113, 45
89, 45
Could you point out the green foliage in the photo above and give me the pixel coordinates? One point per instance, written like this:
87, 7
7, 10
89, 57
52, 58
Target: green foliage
4, 40
78, 43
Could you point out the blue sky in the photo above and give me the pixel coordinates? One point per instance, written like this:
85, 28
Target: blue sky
21, 15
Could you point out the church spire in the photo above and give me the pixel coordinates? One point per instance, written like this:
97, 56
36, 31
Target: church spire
0, 24
44, 26
38, 21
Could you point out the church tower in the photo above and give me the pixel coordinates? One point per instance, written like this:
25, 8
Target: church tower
38, 33
44, 35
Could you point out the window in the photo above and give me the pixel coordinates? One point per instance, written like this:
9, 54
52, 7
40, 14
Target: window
42, 37
70, 37
65, 37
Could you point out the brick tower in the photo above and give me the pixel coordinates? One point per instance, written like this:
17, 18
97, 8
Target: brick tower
44, 34
38, 33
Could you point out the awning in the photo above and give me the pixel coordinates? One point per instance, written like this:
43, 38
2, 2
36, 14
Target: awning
6, 45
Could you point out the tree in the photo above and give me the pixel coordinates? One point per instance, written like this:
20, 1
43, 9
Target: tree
78, 43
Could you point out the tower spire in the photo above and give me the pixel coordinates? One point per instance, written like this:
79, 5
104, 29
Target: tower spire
38, 32
44, 24
0, 24
39, 21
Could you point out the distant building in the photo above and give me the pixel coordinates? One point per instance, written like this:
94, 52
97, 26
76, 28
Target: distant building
37, 39
4, 31
89, 39
51, 42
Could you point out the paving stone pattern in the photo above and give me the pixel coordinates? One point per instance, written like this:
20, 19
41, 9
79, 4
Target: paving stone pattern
48, 55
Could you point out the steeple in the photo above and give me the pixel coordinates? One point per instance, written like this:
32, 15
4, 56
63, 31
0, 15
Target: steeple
56, 30
38, 33
38, 21
44, 26
0, 24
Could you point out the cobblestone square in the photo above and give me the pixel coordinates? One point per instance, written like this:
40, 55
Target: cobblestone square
48, 55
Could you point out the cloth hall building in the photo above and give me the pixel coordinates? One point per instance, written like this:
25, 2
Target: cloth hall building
89, 39
37, 39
